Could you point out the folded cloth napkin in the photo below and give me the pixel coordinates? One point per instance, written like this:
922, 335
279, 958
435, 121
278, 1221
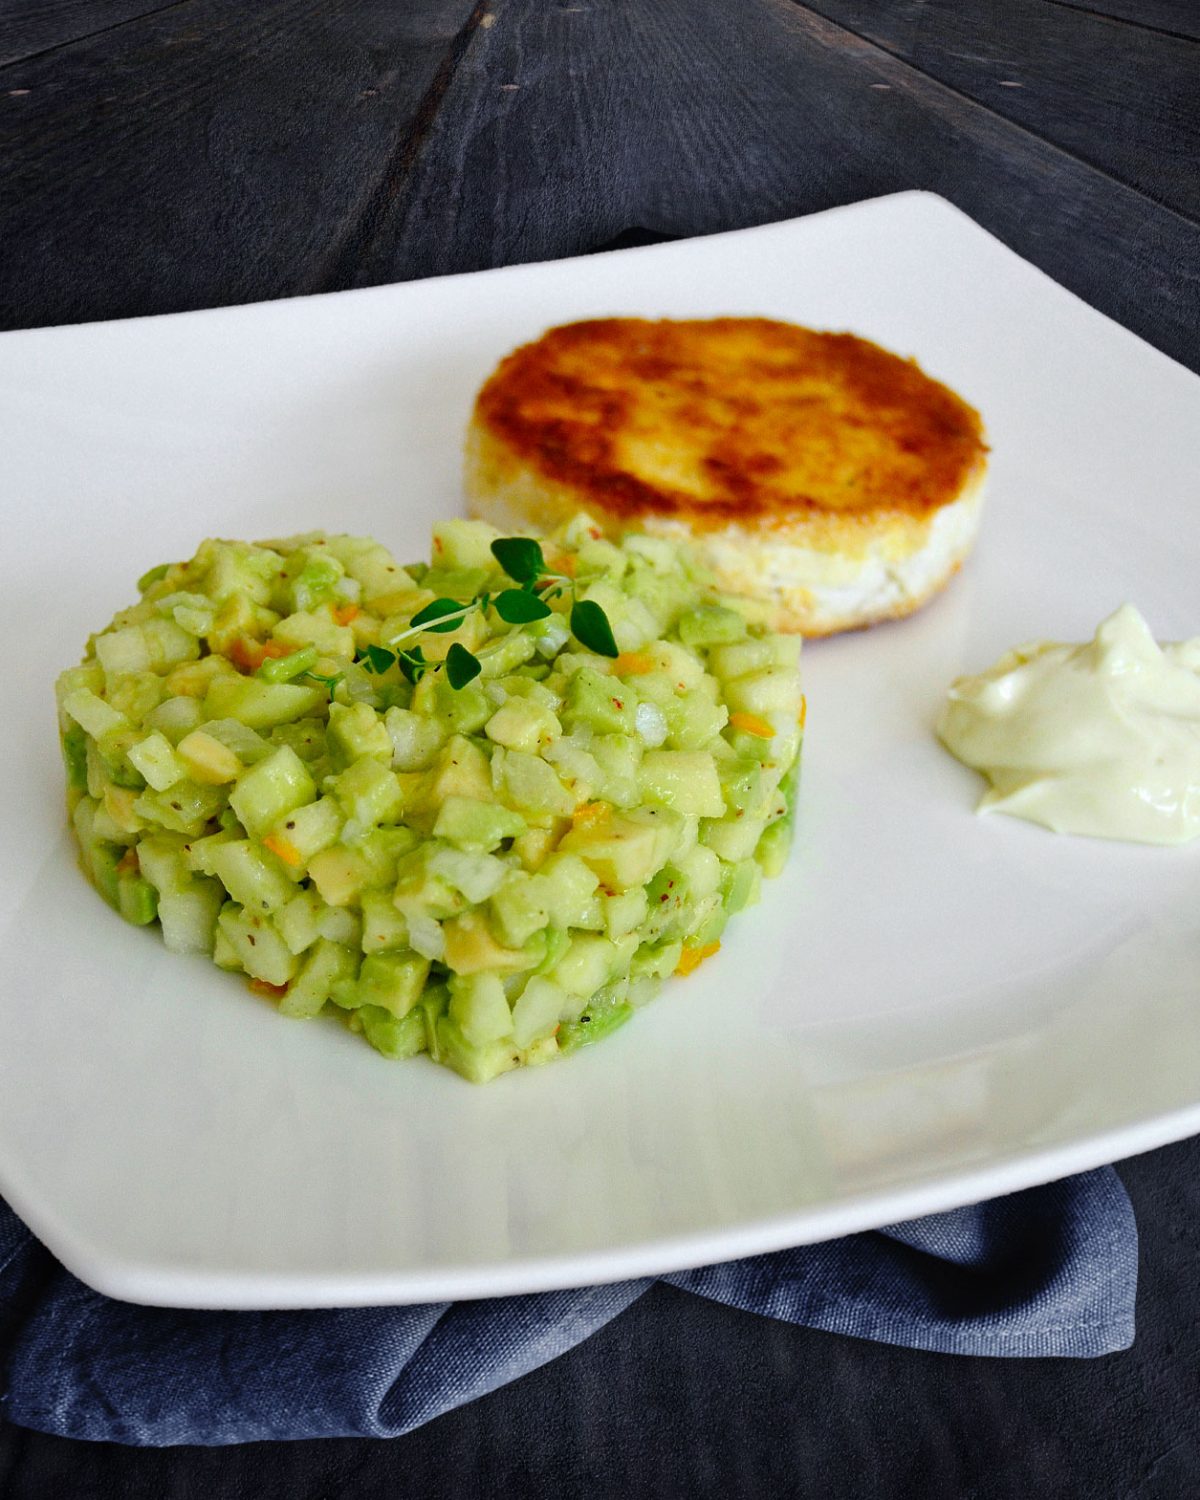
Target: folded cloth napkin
1049, 1271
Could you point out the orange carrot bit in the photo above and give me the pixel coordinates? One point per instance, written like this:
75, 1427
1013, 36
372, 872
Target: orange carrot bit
752, 724
691, 958
128, 861
271, 991
633, 664
248, 655
590, 813
803, 714
344, 613
281, 847
565, 564
245, 654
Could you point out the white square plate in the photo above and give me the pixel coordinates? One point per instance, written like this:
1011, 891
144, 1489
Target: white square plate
926, 1009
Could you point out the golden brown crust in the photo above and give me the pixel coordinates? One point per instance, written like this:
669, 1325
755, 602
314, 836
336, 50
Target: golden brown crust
732, 420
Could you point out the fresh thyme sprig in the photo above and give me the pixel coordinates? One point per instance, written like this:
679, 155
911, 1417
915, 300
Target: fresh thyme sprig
523, 560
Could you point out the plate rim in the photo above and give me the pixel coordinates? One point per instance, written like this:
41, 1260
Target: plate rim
181, 1286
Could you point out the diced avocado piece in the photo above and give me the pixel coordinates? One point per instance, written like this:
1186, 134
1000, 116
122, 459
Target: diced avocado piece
432, 1006
393, 981
621, 852
570, 883
253, 876
737, 660
702, 870
624, 912
709, 920
394, 1038
683, 779
464, 710
479, 1009
92, 714
733, 838
523, 724
537, 1011
504, 656
102, 860
586, 966
306, 737
355, 731
478, 825
385, 929
261, 705
694, 721
206, 759
741, 785
529, 785
315, 628
476, 876
156, 759
711, 625
326, 965
370, 792
602, 1017
311, 575
471, 948
161, 860
604, 704
741, 884
476, 1064
773, 690
536, 846
657, 960
74, 750
153, 644
459, 770
188, 915
667, 900
416, 738
464, 544
259, 948
520, 907
183, 808
772, 850
268, 791
303, 832
176, 717
421, 890
298, 923
339, 874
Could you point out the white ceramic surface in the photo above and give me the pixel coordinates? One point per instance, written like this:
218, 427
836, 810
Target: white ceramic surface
927, 1009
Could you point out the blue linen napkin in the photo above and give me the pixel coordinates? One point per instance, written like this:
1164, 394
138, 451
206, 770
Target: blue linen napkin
1049, 1271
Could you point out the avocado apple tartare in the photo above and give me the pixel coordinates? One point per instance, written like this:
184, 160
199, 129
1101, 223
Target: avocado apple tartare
479, 808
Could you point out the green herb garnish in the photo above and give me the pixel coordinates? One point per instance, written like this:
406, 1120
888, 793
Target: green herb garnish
524, 562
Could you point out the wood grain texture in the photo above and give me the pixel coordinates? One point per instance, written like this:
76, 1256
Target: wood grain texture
206, 154
568, 122
1121, 97
682, 1399
28, 27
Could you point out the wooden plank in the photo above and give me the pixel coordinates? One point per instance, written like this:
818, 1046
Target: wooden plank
1181, 17
33, 26
1121, 97
207, 154
893, 26
566, 124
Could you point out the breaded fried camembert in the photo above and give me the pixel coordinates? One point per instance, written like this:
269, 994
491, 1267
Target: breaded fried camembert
817, 475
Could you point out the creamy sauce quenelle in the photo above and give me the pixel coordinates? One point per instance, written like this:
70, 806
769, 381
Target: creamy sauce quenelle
1100, 739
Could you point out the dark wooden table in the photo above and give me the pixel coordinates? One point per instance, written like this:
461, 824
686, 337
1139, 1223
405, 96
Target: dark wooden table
160, 156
